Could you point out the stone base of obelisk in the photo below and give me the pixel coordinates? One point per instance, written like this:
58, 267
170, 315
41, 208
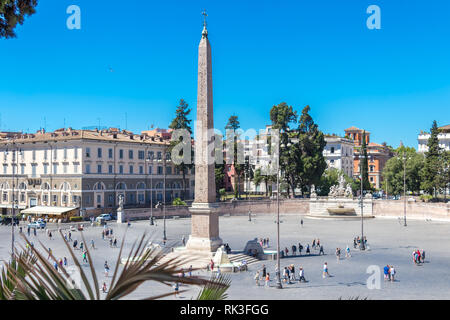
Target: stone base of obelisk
205, 228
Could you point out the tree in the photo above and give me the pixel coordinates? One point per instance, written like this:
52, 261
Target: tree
282, 116
258, 177
13, 12
233, 124
181, 121
329, 178
311, 144
364, 164
394, 170
430, 172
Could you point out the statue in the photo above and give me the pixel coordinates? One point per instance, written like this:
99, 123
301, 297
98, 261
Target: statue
348, 191
313, 191
120, 202
333, 192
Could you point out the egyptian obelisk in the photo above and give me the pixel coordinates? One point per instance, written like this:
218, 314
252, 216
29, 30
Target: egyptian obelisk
204, 216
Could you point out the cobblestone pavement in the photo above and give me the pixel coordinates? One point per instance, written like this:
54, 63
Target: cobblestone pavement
389, 242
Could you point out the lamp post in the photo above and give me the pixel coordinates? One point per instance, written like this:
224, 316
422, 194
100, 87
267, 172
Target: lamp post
150, 171
15, 153
361, 244
404, 188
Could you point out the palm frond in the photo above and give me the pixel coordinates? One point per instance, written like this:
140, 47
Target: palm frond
216, 288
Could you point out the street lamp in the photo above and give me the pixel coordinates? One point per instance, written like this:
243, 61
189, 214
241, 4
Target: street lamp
150, 159
361, 244
404, 158
15, 153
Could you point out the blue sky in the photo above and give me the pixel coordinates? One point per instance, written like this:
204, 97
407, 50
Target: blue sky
392, 82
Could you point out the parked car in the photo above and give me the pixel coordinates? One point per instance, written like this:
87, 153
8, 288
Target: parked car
104, 217
40, 224
7, 221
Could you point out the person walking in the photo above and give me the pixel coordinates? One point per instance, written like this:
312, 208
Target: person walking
81, 246
176, 287
264, 272
104, 287
65, 262
300, 248
347, 252
392, 273
314, 244
28, 231
106, 268
257, 278
110, 242
308, 251
267, 279
70, 236
115, 242
183, 240
301, 222
75, 243
386, 273
301, 275
85, 257
92, 244
293, 273
321, 250
423, 255
325, 271
294, 249
338, 254
49, 253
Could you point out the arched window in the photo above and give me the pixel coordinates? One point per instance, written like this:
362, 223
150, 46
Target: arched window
121, 186
45, 186
65, 187
99, 186
22, 186
140, 185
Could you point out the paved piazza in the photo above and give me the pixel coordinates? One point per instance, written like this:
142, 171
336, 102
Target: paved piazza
389, 242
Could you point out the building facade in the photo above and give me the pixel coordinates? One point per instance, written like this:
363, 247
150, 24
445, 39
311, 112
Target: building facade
378, 155
338, 153
89, 169
443, 137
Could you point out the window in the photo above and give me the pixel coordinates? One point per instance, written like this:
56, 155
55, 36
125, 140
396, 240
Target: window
110, 168
121, 169
64, 198
130, 154
88, 168
141, 198
45, 154
168, 170
5, 169
55, 168
22, 197
45, 168
75, 153
55, 154
88, 152
65, 153
75, 168
131, 169
120, 154
55, 198
33, 155
99, 152
160, 170
74, 199
99, 168
150, 170
65, 168
151, 154
371, 179
110, 153
110, 198
141, 169
159, 155
332, 150
372, 168
45, 198
141, 154
22, 169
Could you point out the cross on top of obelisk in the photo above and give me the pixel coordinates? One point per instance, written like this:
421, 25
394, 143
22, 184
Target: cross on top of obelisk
204, 32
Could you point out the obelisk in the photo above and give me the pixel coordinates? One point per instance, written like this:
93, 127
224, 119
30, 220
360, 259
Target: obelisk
204, 216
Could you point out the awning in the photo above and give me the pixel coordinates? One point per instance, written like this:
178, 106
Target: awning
51, 211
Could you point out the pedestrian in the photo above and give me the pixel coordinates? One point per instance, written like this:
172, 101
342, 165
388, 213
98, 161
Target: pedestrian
56, 265
176, 288
34, 231
301, 275
264, 271
85, 257
354, 243
321, 250
318, 242
286, 251
308, 251
423, 256
106, 268
257, 278
50, 235
301, 222
104, 287
110, 242
70, 236
314, 244
293, 273
183, 240
49, 253
294, 249
190, 271
325, 270
300, 248
267, 242
81, 246
338, 254
115, 242
103, 234
28, 231
386, 273
61, 263
218, 270
75, 243
65, 262
347, 252
392, 273
92, 244
267, 279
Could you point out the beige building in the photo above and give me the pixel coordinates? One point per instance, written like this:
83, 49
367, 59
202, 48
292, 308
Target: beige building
88, 169
338, 153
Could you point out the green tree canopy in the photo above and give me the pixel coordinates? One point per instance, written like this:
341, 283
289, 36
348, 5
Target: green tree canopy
430, 180
13, 12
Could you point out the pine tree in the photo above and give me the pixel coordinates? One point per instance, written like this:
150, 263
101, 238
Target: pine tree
233, 124
13, 12
181, 121
364, 164
430, 172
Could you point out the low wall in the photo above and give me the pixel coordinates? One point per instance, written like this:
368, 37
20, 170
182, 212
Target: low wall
380, 208
414, 210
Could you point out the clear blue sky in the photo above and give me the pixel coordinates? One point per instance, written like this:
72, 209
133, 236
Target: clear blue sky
392, 82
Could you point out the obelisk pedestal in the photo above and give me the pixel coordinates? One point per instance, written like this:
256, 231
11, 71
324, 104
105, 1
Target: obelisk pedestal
204, 216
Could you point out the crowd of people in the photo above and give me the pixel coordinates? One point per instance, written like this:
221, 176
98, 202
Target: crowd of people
316, 245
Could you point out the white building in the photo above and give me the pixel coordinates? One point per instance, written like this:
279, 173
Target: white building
443, 137
338, 153
89, 169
